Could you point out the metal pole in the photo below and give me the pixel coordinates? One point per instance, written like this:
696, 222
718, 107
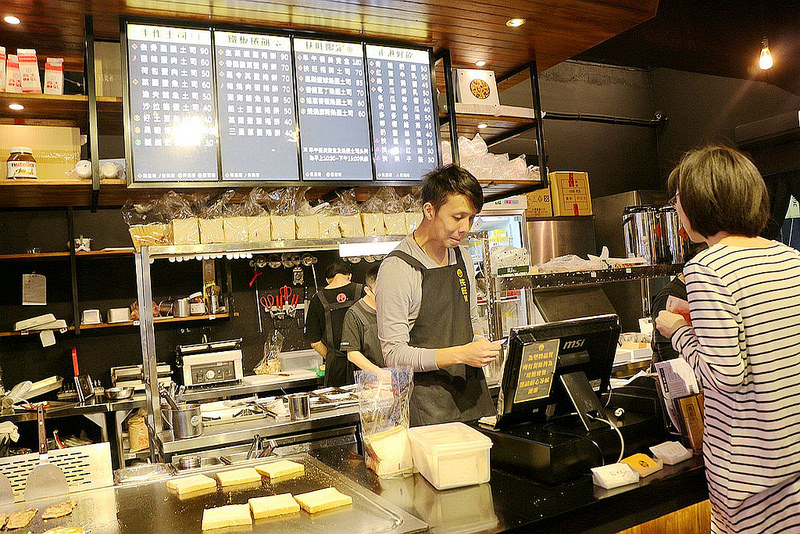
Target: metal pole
147, 334
492, 303
451, 105
91, 92
537, 115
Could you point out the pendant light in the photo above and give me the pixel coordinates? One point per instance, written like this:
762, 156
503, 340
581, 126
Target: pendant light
765, 59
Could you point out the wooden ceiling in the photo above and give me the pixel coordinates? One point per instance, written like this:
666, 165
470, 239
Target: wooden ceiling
471, 29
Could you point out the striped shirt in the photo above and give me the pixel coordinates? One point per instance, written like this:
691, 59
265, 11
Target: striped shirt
744, 345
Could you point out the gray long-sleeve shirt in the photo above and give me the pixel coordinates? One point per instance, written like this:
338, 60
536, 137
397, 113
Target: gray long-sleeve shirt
399, 296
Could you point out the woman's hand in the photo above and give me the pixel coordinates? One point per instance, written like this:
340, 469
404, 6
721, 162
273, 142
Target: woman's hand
667, 323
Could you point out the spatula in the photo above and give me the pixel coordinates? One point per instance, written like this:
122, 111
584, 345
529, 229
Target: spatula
46, 480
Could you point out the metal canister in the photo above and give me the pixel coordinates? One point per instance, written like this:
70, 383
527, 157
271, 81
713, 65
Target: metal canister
299, 406
187, 421
182, 308
675, 248
639, 228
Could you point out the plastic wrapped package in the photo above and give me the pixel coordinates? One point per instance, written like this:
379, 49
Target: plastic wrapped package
413, 220
470, 151
146, 223
328, 219
447, 153
349, 215
183, 227
236, 229
412, 205
373, 223
383, 407
270, 363
282, 205
212, 226
282, 227
185, 231
393, 213
306, 221
258, 227
518, 168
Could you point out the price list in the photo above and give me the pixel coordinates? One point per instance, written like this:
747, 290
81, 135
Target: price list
258, 138
403, 120
172, 116
332, 101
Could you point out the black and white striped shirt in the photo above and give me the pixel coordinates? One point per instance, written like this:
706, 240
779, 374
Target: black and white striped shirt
744, 345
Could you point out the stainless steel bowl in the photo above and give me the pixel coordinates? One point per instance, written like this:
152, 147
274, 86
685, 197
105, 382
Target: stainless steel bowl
120, 393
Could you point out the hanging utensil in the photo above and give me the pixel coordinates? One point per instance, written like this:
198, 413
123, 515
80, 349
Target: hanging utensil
46, 480
167, 397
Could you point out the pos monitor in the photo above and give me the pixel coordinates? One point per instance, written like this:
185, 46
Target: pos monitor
558, 368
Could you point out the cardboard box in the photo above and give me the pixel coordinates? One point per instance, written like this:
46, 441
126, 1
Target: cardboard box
56, 148
539, 204
475, 86
570, 193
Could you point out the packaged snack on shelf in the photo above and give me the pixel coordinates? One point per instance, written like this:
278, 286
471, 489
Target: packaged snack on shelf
349, 215
54, 76
13, 81
372, 215
394, 216
282, 204
29, 71
146, 224
258, 226
413, 207
328, 218
212, 225
183, 226
236, 223
306, 221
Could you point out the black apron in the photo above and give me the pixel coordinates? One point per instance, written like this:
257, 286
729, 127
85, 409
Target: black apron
459, 392
338, 370
370, 345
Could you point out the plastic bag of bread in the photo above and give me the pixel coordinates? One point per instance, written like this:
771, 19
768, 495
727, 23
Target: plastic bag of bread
394, 216
282, 205
413, 208
146, 223
183, 226
349, 215
328, 218
383, 401
306, 221
212, 222
372, 215
235, 223
258, 225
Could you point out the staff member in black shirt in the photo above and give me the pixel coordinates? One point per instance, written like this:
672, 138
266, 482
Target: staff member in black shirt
324, 321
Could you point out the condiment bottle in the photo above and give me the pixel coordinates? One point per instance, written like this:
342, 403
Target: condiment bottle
21, 163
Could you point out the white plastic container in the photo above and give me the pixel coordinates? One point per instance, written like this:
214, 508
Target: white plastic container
450, 455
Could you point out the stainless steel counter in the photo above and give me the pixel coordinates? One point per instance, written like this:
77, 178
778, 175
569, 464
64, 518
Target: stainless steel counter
233, 432
149, 507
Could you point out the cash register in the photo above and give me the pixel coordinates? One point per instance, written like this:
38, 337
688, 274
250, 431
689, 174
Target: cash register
551, 424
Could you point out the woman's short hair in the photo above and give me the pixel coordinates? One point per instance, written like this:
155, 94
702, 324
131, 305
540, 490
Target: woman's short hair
451, 179
337, 267
721, 190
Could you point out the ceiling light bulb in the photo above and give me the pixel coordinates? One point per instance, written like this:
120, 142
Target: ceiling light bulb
515, 23
482, 125
765, 59
11, 19
16, 107
480, 63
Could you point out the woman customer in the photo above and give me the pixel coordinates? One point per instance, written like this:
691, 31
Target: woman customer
743, 342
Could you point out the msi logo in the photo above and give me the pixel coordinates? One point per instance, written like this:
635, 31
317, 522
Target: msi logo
574, 344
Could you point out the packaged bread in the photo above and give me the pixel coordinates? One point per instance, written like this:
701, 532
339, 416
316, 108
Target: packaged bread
149, 235
259, 229
280, 469
185, 231
233, 515
191, 484
237, 477
273, 505
212, 231
329, 226
413, 220
388, 453
373, 223
325, 499
235, 229
307, 226
395, 223
351, 225
282, 227
179, 209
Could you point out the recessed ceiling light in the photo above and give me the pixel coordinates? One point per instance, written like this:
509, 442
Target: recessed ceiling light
16, 107
480, 63
515, 23
482, 125
11, 19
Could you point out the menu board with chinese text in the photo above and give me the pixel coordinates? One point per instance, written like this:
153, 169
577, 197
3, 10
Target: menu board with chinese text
171, 97
331, 93
403, 120
258, 138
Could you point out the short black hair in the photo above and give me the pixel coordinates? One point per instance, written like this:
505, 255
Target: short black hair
337, 267
448, 180
721, 190
372, 275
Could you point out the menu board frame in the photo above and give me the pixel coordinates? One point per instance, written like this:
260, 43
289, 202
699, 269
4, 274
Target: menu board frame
276, 32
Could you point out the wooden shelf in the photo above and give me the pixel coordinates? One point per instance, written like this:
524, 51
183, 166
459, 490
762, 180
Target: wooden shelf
65, 254
74, 108
500, 121
158, 320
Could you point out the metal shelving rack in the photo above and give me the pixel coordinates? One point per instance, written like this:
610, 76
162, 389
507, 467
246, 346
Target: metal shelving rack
144, 288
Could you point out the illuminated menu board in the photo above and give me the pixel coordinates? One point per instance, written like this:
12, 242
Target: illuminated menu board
171, 98
255, 98
334, 130
403, 120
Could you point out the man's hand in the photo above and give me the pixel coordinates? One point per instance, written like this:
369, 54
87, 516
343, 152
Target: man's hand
480, 352
667, 323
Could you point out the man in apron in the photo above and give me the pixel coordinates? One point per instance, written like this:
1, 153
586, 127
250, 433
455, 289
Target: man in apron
427, 308
324, 322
